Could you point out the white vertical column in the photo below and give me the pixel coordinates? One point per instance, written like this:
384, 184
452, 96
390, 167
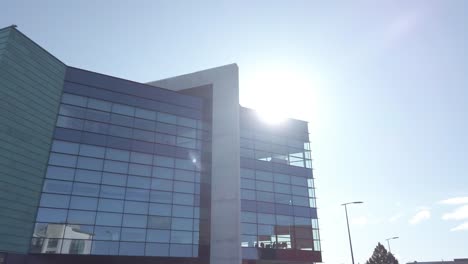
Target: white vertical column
225, 171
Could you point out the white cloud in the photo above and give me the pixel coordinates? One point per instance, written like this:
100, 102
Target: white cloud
455, 200
420, 216
395, 218
362, 220
462, 227
459, 214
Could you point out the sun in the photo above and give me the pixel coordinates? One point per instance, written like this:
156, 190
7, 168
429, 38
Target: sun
277, 92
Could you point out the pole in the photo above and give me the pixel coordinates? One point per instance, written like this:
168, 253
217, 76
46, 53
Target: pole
388, 243
349, 234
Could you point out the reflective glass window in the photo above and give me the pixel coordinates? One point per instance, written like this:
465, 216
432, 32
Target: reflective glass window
107, 233
186, 164
60, 173
117, 154
112, 192
164, 173
184, 175
89, 163
130, 220
143, 135
300, 201
156, 249
182, 224
141, 158
185, 187
182, 198
160, 209
186, 142
249, 229
85, 189
182, 211
180, 250
57, 186
81, 217
88, 176
158, 235
69, 122
99, 105
265, 196
68, 110
161, 197
158, 184
138, 182
282, 188
139, 169
181, 237
146, 114
247, 184
105, 248
159, 222
108, 219
74, 99
131, 249
51, 215
166, 128
246, 173
167, 118
83, 203
282, 178
65, 147
134, 207
264, 186
247, 194
248, 217
300, 191
163, 161
111, 205
116, 166
164, 139
298, 181
54, 200
137, 194
114, 179
63, 160
144, 124
188, 122
266, 218
92, 151
123, 109
264, 176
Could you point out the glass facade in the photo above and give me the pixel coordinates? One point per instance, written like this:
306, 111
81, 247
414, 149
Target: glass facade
121, 180
277, 190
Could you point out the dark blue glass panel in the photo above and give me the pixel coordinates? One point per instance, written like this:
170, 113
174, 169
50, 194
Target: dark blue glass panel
111, 205
160, 209
81, 217
83, 203
54, 200
159, 222
154, 249
131, 248
263, 207
134, 207
130, 220
51, 215
107, 233
108, 219
105, 248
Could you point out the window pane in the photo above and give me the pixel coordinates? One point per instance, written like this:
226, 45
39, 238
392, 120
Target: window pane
117, 154
141, 158
182, 198
247, 194
114, 179
65, 147
88, 176
79, 232
163, 161
161, 197
138, 182
130, 220
182, 211
136, 207
139, 169
181, 237
160, 209
57, 186
51, 215
116, 166
112, 192
105, 248
184, 175
146, 114
107, 233
108, 219
81, 217
54, 200
159, 222
158, 235
85, 189
60, 173
185, 187
74, 99
111, 205
137, 194
180, 250
182, 224
167, 118
90, 163
123, 109
131, 249
62, 160
92, 151
99, 105
156, 249
158, 184
248, 217
83, 203
161, 172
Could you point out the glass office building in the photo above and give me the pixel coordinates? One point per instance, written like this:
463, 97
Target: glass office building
99, 169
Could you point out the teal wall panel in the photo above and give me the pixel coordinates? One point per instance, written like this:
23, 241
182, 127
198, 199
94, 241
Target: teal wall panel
31, 83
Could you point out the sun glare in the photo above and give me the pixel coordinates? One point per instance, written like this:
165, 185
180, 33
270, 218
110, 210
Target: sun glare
277, 92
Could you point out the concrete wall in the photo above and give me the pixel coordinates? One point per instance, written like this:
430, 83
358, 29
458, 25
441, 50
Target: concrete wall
225, 171
31, 82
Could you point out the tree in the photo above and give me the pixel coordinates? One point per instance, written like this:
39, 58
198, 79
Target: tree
382, 256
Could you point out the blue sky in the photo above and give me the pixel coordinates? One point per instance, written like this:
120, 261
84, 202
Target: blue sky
382, 83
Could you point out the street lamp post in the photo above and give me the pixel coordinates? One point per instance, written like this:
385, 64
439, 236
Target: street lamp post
347, 223
388, 243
